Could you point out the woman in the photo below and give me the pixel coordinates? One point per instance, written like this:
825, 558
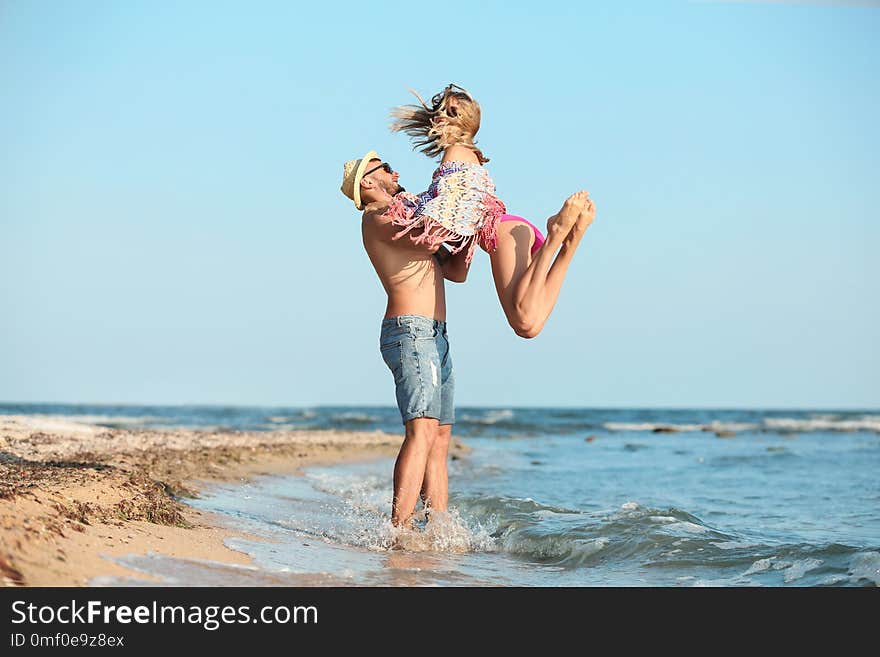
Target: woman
460, 209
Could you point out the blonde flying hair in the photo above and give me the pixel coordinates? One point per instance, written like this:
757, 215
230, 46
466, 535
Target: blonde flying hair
452, 119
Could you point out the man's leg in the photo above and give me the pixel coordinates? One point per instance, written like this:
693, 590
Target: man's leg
435, 488
410, 467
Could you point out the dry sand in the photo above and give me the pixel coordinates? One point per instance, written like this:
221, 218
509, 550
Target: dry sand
71, 493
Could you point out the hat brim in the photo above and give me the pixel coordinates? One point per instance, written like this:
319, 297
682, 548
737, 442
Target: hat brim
358, 174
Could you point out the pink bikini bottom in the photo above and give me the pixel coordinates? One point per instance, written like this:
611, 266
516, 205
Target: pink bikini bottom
539, 237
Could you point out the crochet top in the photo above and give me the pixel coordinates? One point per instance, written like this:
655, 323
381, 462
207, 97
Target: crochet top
459, 208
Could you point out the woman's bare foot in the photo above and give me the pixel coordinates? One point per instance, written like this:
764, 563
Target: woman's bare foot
563, 221
585, 218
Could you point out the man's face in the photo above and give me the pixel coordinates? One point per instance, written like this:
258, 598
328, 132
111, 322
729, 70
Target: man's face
382, 176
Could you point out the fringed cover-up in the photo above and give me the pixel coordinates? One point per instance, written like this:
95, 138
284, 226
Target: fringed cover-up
459, 208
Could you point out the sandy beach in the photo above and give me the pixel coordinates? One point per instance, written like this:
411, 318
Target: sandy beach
72, 494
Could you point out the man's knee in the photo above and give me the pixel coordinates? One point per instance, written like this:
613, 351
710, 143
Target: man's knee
441, 440
444, 432
422, 429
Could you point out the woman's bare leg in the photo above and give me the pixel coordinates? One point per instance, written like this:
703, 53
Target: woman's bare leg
543, 294
528, 287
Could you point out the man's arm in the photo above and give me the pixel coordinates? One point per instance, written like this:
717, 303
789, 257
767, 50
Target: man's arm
454, 267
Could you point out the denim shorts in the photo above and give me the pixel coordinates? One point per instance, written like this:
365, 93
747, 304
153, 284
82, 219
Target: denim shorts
416, 350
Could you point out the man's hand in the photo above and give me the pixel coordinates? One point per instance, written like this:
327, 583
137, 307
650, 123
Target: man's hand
442, 255
454, 266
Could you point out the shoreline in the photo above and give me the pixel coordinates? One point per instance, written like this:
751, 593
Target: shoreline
73, 493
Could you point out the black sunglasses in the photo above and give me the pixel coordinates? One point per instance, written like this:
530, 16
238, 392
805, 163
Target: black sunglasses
384, 165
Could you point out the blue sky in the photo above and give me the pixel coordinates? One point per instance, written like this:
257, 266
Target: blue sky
172, 232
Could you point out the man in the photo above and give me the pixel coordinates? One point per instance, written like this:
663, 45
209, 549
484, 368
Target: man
413, 341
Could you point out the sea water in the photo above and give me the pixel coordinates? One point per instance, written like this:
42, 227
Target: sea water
553, 497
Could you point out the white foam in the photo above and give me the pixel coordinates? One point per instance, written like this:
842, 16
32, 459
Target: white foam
813, 423
650, 426
866, 565
717, 425
628, 426
760, 566
594, 545
491, 417
445, 532
366, 500
77, 423
799, 568
733, 545
353, 417
689, 527
629, 506
664, 519
49, 423
824, 423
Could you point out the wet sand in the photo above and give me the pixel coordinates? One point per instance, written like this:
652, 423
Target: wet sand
72, 494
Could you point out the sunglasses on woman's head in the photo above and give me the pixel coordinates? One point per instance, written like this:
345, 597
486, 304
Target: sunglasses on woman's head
384, 165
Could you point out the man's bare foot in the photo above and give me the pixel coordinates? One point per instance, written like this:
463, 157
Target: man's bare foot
400, 532
563, 221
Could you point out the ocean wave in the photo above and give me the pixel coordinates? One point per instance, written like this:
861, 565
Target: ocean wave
866, 565
80, 423
672, 427
832, 423
799, 568
652, 426
816, 423
810, 565
291, 417
570, 539
492, 422
734, 545
488, 506
561, 550
489, 417
545, 540
353, 417
760, 566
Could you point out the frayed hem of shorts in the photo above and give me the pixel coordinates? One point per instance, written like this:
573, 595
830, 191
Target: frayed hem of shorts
418, 415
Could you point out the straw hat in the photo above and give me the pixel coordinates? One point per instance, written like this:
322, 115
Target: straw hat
352, 172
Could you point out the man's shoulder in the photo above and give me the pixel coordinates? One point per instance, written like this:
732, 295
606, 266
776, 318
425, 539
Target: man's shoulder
374, 215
